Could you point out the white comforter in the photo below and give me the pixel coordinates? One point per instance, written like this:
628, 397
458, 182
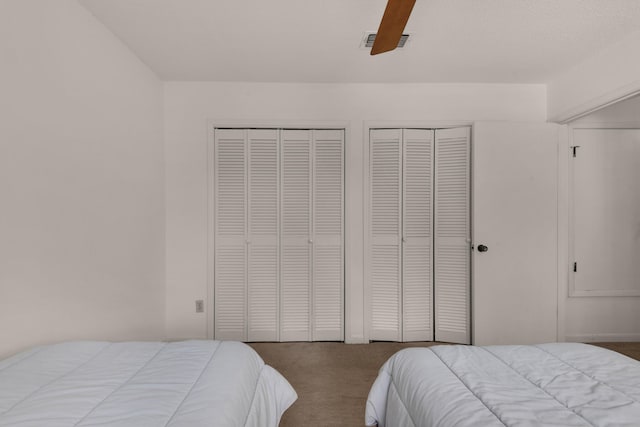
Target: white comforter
562, 385
190, 383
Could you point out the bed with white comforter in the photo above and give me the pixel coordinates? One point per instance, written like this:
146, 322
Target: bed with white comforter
190, 383
562, 384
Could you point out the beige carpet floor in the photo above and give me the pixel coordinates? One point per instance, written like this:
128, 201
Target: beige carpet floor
333, 379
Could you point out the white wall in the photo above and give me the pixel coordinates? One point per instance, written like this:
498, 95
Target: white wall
597, 318
81, 181
189, 107
604, 78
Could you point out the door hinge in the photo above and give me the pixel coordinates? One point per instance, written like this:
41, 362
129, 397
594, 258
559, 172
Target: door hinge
574, 148
575, 267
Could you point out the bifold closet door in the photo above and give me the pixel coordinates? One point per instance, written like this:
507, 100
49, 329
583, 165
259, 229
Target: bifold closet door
312, 235
246, 234
385, 228
400, 253
452, 236
230, 255
295, 240
419, 241
278, 235
263, 234
328, 235
417, 235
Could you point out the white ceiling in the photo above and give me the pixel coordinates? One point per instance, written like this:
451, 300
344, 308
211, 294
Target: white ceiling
510, 41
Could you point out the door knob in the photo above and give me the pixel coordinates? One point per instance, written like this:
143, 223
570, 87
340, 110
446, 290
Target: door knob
482, 248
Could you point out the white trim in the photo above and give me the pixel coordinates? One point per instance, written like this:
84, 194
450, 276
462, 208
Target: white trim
345, 264
604, 125
311, 250
414, 124
279, 233
366, 185
606, 337
347, 315
247, 261
571, 291
472, 252
366, 255
212, 124
356, 339
278, 124
563, 231
617, 95
210, 327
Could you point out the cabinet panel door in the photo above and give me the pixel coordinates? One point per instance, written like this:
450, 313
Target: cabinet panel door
417, 255
606, 212
230, 297
295, 235
385, 228
452, 236
328, 254
515, 177
263, 225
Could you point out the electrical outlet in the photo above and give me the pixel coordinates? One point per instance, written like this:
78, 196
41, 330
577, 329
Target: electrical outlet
199, 306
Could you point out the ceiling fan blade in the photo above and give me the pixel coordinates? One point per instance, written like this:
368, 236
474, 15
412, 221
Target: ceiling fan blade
392, 25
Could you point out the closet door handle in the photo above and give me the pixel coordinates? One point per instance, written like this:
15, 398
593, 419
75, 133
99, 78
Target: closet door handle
482, 248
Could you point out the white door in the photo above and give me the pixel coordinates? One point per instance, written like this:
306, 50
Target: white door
407, 263
417, 235
262, 234
328, 235
385, 233
606, 212
452, 234
278, 234
515, 171
295, 237
230, 256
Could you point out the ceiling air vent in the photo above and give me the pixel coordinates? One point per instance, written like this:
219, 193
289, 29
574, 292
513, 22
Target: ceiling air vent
371, 37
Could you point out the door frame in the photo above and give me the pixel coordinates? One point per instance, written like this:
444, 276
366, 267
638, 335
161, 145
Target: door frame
565, 214
571, 291
366, 133
212, 124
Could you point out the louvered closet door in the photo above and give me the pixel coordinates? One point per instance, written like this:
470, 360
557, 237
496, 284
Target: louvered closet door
417, 256
295, 235
452, 235
385, 228
262, 242
230, 297
327, 241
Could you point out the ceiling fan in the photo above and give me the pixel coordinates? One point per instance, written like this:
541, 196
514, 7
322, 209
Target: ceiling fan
392, 25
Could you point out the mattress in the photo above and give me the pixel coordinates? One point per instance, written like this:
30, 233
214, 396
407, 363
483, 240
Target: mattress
190, 383
561, 384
